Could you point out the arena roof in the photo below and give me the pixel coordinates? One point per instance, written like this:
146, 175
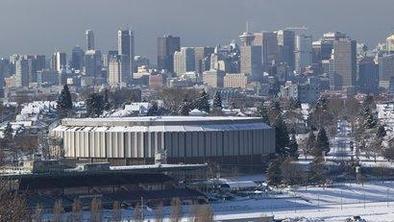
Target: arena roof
159, 121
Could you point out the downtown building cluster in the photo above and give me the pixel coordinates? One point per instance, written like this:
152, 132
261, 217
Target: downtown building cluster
289, 62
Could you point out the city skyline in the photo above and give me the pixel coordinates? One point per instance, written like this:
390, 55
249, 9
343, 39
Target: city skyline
36, 33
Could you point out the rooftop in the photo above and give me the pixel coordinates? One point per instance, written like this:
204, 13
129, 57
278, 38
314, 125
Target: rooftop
160, 120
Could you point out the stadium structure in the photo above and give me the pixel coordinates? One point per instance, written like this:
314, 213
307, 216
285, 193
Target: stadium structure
181, 139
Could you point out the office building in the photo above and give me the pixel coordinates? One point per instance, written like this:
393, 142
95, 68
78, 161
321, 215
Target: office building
90, 44
59, 61
386, 70
213, 78
166, 47
93, 63
286, 44
21, 72
251, 57
126, 46
390, 44
202, 54
303, 52
77, 58
344, 63
184, 61
368, 76
118, 70
269, 45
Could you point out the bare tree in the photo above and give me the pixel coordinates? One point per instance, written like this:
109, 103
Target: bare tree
37, 216
202, 213
159, 212
13, 206
58, 211
137, 214
96, 210
116, 211
76, 215
176, 210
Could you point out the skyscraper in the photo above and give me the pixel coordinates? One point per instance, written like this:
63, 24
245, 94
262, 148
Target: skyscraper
344, 62
166, 47
386, 70
118, 70
77, 58
93, 63
184, 61
286, 43
251, 57
368, 80
269, 45
126, 46
390, 44
21, 72
59, 61
201, 53
90, 40
303, 52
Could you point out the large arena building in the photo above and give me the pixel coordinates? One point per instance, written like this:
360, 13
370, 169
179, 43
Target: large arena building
137, 140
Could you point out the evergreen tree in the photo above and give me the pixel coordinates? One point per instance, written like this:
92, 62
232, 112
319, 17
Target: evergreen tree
293, 147
317, 171
274, 172
202, 103
7, 134
184, 110
94, 105
263, 113
153, 110
64, 102
310, 143
217, 101
281, 136
381, 133
322, 143
107, 104
369, 120
294, 104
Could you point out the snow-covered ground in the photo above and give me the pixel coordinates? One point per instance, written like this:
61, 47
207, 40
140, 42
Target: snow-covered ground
371, 201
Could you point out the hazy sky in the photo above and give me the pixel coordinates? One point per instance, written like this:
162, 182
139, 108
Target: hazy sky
41, 26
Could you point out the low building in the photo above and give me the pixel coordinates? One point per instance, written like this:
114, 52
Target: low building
236, 80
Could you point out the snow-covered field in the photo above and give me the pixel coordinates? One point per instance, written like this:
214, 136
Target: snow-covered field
372, 201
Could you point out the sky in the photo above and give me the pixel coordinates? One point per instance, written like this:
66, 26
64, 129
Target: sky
43, 26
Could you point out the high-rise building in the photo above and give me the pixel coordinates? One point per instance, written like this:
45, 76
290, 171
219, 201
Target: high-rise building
118, 70
368, 76
343, 63
286, 43
269, 44
4, 72
90, 45
251, 57
93, 63
303, 52
166, 47
58, 61
126, 46
21, 72
201, 53
390, 44
77, 58
184, 61
386, 70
